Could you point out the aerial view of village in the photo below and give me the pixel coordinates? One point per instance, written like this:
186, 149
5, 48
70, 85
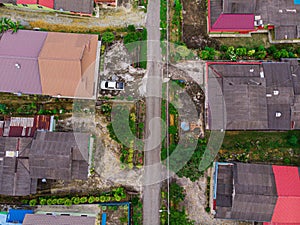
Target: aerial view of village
149, 112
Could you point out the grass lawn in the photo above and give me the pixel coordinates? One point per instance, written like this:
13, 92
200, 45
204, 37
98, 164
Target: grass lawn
251, 42
256, 146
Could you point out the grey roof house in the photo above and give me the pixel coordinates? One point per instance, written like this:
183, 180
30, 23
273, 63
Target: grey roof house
49, 155
254, 95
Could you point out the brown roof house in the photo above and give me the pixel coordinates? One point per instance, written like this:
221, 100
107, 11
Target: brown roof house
253, 95
48, 155
34, 219
55, 64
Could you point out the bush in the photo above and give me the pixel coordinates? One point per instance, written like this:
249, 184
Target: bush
284, 53
54, 201
118, 198
108, 37
131, 28
251, 52
293, 140
272, 49
277, 55
241, 51
76, 200
49, 202
91, 199
102, 198
43, 201
286, 161
223, 48
61, 201
68, 202
33, 202
260, 55
83, 200
97, 199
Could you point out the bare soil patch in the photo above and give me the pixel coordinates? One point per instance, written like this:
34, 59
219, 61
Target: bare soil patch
195, 25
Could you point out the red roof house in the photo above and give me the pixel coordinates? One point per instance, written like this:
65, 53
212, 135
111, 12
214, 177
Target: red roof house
287, 209
234, 22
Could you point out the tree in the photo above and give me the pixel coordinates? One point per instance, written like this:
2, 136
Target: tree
108, 37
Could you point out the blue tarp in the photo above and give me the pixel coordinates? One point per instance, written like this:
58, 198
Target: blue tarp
17, 215
297, 2
103, 220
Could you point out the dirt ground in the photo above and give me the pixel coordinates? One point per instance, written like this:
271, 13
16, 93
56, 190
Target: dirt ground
109, 18
195, 25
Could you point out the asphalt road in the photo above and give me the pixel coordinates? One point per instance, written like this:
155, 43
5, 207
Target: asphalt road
152, 165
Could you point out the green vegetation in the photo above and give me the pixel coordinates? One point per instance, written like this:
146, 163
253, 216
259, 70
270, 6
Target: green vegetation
245, 53
8, 24
135, 41
163, 20
256, 146
131, 152
137, 206
177, 212
191, 168
108, 37
116, 194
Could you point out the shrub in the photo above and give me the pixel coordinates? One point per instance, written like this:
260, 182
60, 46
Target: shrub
131, 28
97, 199
102, 198
91, 199
76, 200
272, 49
284, 53
286, 161
293, 140
117, 198
43, 201
277, 55
61, 201
251, 52
33, 202
260, 55
223, 48
49, 201
108, 37
54, 201
83, 200
241, 51
68, 202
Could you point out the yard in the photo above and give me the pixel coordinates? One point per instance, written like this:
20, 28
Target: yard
281, 148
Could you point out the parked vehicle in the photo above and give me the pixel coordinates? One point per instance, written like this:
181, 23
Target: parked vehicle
112, 85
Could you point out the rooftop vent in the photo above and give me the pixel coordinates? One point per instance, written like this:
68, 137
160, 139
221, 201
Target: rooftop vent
251, 70
18, 66
278, 114
276, 92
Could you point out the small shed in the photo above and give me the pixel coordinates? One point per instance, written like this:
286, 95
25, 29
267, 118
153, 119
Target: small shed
17, 215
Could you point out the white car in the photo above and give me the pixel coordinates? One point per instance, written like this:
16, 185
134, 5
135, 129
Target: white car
112, 85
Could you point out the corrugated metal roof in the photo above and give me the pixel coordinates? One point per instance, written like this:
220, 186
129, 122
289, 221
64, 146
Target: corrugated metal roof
287, 210
233, 22
80, 6
34, 219
18, 58
22, 44
287, 180
47, 3
67, 64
